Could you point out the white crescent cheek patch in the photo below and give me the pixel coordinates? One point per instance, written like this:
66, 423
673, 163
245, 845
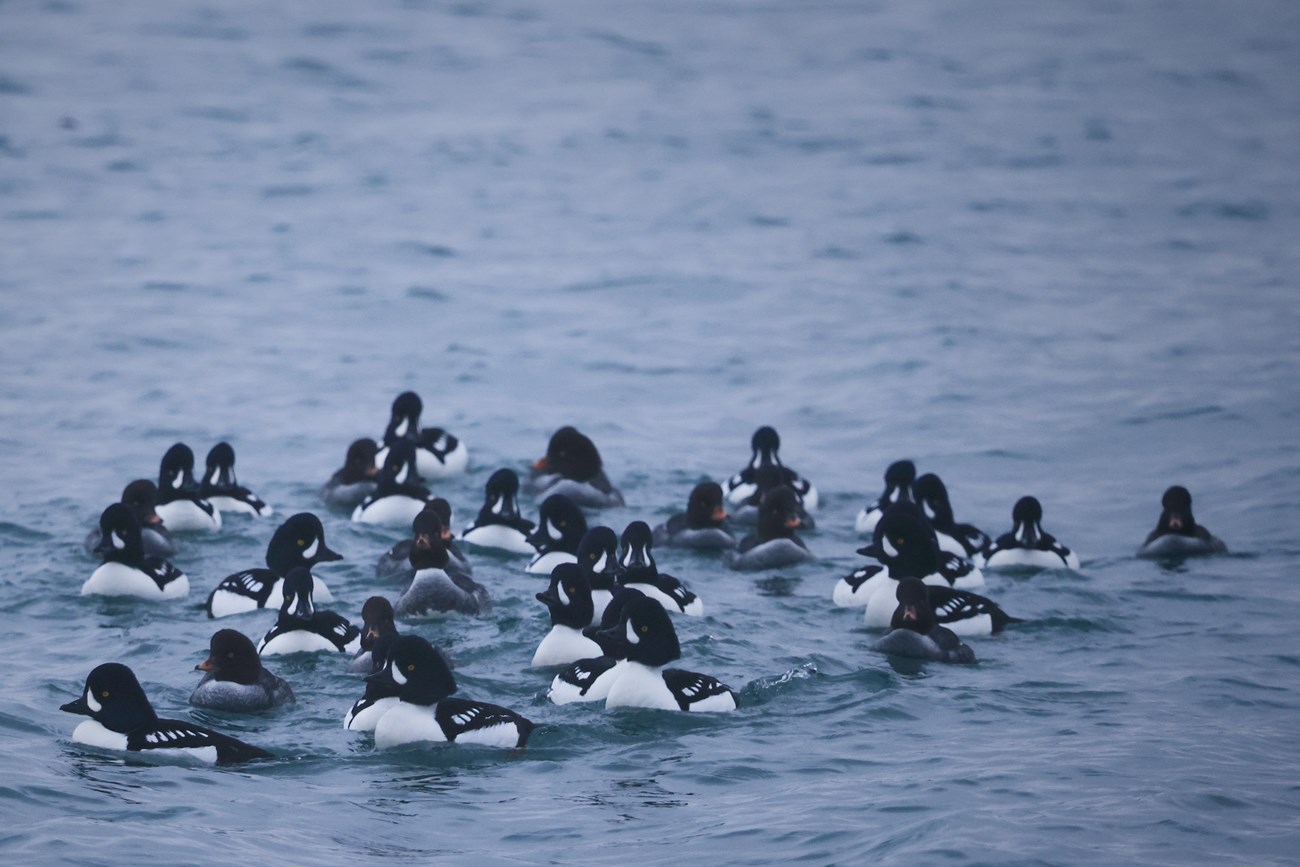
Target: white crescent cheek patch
310, 550
631, 634
91, 703
890, 550
398, 676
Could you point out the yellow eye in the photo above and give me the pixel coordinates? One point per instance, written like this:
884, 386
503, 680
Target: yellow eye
645, 629
411, 667
900, 540
302, 543
104, 694
559, 523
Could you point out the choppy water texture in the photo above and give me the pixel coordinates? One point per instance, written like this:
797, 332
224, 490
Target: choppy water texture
1039, 248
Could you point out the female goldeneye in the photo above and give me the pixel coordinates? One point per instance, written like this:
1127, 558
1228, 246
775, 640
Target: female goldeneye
560, 528
641, 573
703, 525
437, 585
437, 453
399, 492
299, 541
568, 600
141, 497
235, 679
121, 718
499, 524
301, 628
899, 478
908, 548
179, 503
1177, 534
127, 570
775, 542
856, 589
915, 632
650, 644
426, 712
572, 466
222, 489
380, 696
598, 559
590, 679
765, 444
395, 561
376, 623
355, 480
1027, 545
964, 540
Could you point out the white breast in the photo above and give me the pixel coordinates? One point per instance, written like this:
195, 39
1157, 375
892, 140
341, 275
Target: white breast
639, 685
499, 537
186, 515
1031, 558
405, 724
118, 579
562, 645
368, 718
93, 733
544, 563
297, 641
456, 461
397, 510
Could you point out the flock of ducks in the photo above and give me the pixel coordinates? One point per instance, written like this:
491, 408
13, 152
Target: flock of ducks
612, 636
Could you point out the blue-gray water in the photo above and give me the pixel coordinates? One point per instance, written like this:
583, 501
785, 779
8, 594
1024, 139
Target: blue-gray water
1041, 248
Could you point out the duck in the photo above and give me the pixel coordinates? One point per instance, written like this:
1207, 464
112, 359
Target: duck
380, 696
909, 549
964, 540
499, 525
235, 679
299, 541
394, 561
127, 570
589, 679
179, 504
856, 589
301, 628
356, 479
221, 489
568, 599
560, 528
377, 621
916, 634
1027, 545
702, 526
767, 478
899, 477
399, 491
598, 559
436, 584
141, 496
640, 572
572, 466
121, 718
1177, 534
766, 444
426, 711
644, 682
775, 543
438, 453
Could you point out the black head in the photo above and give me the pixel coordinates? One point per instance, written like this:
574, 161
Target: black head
360, 461
560, 525
114, 698
232, 657
932, 496
571, 454
914, 611
399, 467
778, 514
428, 543
297, 594
1025, 517
418, 671
899, 477
765, 441
608, 634
500, 493
440, 507
1176, 515
568, 597
905, 542
299, 541
405, 419
141, 497
176, 471
377, 620
221, 456
636, 543
120, 535
598, 551
648, 632
704, 509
